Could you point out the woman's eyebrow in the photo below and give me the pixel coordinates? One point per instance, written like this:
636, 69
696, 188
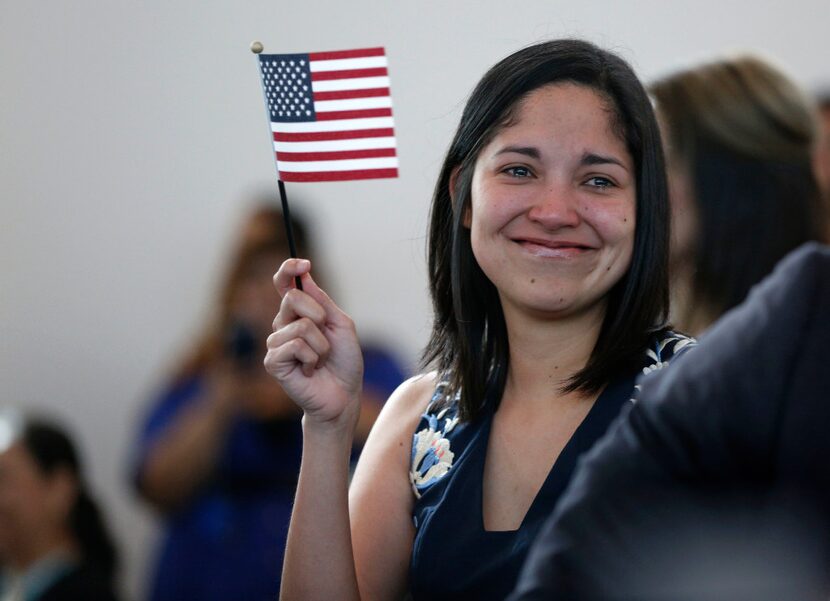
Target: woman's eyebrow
590, 158
530, 151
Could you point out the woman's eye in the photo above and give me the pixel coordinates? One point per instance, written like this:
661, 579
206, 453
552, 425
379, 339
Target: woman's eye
600, 182
518, 171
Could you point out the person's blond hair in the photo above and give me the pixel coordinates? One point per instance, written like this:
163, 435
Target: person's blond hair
744, 134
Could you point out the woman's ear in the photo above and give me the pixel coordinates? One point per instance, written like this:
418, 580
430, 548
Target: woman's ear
456, 173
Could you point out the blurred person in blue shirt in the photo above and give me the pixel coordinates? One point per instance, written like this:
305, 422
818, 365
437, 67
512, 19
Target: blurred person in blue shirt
219, 452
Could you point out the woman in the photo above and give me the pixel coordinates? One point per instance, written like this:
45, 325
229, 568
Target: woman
547, 248
53, 543
220, 450
741, 139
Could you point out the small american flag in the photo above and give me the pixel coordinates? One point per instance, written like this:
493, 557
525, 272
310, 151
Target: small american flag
331, 115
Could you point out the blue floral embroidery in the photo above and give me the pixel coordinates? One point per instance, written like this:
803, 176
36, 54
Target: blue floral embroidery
431, 454
669, 347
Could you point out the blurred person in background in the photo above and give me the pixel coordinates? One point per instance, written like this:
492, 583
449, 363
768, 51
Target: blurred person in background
823, 154
824, 146
54, 545
219, 453
741, 140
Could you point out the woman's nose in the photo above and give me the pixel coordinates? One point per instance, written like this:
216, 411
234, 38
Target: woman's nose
556, 207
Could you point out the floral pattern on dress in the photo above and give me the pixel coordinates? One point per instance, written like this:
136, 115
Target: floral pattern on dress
670, 346
431, 454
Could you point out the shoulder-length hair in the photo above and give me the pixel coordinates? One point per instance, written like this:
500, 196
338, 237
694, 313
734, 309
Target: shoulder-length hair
469, 341
745, 135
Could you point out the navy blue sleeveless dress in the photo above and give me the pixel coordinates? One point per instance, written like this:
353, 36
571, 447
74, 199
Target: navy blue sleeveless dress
453, 556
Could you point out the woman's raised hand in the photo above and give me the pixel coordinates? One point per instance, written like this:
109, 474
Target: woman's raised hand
314, 352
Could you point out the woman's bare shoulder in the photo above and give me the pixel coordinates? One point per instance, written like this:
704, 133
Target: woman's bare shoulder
402, 411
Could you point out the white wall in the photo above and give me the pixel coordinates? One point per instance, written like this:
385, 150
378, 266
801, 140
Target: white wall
133, 135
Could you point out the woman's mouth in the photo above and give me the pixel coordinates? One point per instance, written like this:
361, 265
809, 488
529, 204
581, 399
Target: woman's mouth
553, 248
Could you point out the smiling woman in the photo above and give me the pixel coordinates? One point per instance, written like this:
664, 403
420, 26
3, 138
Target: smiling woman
547, 265
553, 203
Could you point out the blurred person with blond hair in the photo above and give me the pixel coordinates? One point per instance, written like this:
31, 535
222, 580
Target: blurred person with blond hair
219, 452
741, 140
823, 155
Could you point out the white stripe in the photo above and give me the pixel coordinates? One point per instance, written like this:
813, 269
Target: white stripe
342, 64
353, 104
355, 83
339, 125
345, 165
335, 145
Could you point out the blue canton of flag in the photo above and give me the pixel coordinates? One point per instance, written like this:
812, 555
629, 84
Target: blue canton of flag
287, 81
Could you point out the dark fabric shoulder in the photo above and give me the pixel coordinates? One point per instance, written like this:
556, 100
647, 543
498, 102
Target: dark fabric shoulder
82, 583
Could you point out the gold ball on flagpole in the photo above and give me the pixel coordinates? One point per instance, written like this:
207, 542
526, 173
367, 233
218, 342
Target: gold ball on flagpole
256, 47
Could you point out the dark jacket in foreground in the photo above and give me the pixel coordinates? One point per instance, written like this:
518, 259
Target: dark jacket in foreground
716, 484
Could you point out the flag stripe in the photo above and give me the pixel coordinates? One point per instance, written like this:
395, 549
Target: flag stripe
347, 125
348, 63
349, 74
348, 94
341, 165
358, 83
319, 136
351, 104
339, 176
367, 113
369, 153
335, 54
335, 145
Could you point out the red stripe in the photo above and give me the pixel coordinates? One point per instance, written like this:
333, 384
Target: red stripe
346, 94
356, 114
370, 153
320, 136
349, 74
338, 176
335, 54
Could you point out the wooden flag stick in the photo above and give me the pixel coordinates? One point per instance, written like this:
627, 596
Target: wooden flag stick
256, 48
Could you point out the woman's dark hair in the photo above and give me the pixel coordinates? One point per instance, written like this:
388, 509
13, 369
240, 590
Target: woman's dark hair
744, 133
469, 339
52, 450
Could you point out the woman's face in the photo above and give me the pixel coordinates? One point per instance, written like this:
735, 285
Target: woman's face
32, 504
255, 298
552, 216
684, 217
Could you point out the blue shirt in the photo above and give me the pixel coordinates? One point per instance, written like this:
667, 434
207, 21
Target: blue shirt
228, 541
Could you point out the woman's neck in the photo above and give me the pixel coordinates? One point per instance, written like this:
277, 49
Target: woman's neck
687, 313
546, 353
39, 547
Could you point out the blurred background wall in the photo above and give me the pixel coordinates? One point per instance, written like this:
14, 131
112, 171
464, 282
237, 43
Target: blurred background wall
133, 138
